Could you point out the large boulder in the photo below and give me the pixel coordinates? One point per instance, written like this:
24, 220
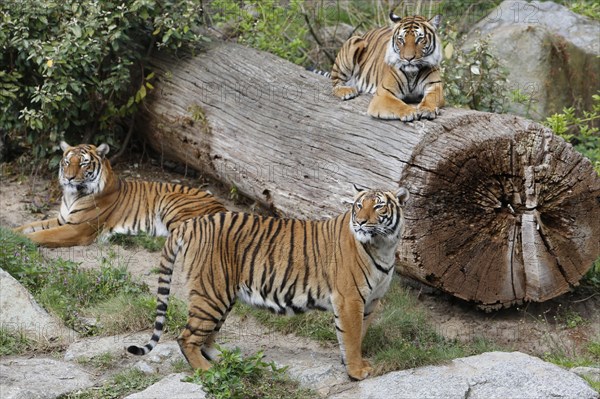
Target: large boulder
171, 387
489, 375
41, 378
550, 52
20, 313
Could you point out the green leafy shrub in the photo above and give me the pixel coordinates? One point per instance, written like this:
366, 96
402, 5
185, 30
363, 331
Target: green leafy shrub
580, 130
77, 69
236, 377
473, 78
266, 25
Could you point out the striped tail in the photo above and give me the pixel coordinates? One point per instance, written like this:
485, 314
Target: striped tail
169, 254
319, 72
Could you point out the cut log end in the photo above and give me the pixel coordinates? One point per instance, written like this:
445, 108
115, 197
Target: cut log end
507, 219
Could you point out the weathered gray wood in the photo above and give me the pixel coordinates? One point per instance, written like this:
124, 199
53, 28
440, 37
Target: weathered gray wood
502, 211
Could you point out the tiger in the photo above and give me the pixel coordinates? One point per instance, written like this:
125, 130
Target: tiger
96, 202
397, 65
344, 264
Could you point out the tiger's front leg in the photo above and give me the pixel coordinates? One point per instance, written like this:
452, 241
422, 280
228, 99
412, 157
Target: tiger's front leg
348, 313
433, 100
37, 226
385, 104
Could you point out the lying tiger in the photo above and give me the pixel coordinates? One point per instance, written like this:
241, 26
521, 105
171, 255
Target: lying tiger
397, 65
343, 264
96, 202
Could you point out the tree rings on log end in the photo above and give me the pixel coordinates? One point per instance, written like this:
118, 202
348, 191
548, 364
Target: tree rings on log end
507, 216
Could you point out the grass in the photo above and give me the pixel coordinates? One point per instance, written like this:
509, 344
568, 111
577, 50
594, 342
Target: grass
314, 325
12, 343
401, 336
110, 294
237, 377
589, 356
101, 362
119, 386
142, 240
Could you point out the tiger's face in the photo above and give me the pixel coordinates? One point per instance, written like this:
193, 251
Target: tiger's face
414, 43
378, 214
81, 168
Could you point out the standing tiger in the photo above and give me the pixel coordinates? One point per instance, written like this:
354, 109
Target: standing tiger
343, 264
396, 65
96, 202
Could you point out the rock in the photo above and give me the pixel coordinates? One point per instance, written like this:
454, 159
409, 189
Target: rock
485, 376
592, 373
171, 387
20, 313
40, 378
89, 348
313, 370
550, 53
144, 367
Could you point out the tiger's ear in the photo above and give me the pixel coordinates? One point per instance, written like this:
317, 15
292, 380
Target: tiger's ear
394, 17
436, 21
359, 189
64, 146
403, 195
103, 149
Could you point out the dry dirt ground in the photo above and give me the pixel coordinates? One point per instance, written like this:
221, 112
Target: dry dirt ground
564, 324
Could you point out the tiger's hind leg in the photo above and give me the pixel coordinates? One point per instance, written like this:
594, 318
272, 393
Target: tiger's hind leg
37, 226
208, 350
205, 318
64, 236
344, 68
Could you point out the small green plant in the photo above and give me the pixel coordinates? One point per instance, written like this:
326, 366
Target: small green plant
236, 377
12, 343
473, 78
119, 386
589, 8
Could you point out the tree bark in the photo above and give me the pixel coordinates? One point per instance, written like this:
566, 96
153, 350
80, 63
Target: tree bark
502, 211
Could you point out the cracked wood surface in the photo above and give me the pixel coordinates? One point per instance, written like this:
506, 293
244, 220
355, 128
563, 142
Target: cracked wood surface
501, 212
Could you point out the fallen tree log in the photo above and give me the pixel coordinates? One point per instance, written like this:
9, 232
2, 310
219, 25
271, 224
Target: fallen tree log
502, 211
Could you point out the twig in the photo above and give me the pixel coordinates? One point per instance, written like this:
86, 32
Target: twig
584, 299
317, 38
115, 157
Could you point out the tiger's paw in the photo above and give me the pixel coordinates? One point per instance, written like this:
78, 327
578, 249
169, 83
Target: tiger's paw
345, 92
427, 112
407, 114
360, 373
